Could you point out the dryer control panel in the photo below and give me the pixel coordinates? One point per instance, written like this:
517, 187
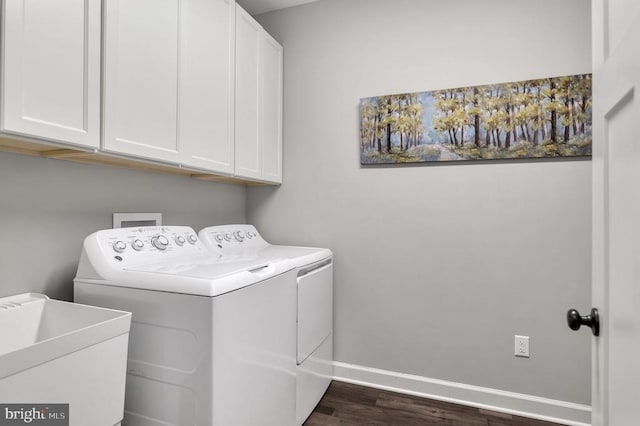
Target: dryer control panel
230, 239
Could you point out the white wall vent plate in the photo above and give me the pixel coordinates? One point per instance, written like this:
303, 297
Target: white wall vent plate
130, 220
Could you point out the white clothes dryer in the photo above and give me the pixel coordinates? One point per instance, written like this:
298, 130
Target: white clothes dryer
314, 323
213, 338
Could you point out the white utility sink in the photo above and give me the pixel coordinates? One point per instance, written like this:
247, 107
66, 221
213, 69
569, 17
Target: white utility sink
61, 352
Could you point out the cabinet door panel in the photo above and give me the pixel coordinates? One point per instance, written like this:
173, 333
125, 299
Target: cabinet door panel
271, 109
206, 105
141, 78
248, 149
51, 57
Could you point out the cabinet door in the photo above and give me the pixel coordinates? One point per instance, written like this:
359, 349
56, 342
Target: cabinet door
141, 78
51, 70
271, 109
248, 80
206, 105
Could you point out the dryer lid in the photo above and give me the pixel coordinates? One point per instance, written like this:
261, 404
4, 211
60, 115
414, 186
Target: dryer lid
244, 240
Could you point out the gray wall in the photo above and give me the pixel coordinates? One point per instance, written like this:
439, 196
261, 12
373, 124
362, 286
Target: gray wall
437, 266
48, 206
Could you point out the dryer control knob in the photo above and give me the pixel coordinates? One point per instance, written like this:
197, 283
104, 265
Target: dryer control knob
119, 246
227, 236
239, 236
180, 240
160, 242
218, 238
137, 245
192, 239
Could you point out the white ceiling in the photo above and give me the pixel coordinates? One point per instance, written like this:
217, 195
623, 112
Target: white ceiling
256, 7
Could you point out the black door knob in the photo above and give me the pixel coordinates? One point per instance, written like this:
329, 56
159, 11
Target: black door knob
574, 320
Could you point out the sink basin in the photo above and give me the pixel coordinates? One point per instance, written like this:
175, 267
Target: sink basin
60, 352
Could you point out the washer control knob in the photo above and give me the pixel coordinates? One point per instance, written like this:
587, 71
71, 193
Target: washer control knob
227, 236
137, 245
180, 240
218, 238
119, 246
160, 242
248, 234
239, 236
192, 239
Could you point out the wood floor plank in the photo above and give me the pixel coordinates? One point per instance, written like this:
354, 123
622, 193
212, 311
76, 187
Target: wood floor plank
347, 404
320, 419
434, 415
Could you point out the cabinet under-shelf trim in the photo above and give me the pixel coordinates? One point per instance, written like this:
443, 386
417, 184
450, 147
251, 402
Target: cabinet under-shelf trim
52, 151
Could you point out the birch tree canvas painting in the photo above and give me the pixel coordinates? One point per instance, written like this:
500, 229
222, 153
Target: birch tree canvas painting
542, 118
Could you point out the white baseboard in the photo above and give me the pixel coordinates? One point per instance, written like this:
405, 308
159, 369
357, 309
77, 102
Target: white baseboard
517, 404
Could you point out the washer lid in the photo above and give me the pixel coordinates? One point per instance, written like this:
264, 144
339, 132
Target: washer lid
201, 279
205, 277
210, 267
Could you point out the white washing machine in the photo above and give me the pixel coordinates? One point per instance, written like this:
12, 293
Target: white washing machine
314, 282
213, 338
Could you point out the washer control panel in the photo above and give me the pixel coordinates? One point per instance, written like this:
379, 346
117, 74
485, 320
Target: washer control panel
146, 244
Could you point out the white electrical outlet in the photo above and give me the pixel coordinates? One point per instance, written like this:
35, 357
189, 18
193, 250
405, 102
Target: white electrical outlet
522, 346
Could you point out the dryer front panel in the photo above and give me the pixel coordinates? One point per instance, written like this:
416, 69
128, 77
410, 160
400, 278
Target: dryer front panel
315, 309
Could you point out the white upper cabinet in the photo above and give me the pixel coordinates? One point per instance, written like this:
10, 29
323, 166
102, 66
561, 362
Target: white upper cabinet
258, 102
207, 74
271, 109
51, 70
168, 75
195, 84
248, 82
141, 78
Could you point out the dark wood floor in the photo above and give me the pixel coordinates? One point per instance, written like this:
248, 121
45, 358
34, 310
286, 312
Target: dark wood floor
347, 404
